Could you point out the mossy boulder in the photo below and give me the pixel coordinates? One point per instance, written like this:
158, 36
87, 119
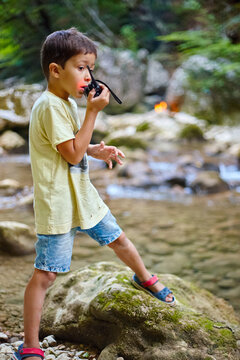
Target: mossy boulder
191, 132
130, 142
97, 305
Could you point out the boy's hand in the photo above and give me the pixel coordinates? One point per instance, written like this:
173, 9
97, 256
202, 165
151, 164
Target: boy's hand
98, 103
106, 153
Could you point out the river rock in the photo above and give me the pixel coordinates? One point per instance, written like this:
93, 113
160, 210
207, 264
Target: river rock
10, 183
10, 140
9, 187
98, 305
16, 238
208, 182
9, 119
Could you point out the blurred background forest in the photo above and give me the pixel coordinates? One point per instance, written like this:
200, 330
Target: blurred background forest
172, 30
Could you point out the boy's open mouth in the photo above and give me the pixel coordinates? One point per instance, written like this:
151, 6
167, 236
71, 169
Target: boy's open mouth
81, 86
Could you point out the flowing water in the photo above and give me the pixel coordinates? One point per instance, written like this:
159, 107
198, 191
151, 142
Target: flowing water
194, 237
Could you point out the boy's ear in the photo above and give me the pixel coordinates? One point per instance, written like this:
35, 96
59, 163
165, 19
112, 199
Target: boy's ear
54, 69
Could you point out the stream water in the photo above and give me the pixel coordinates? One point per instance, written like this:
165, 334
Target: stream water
194, 237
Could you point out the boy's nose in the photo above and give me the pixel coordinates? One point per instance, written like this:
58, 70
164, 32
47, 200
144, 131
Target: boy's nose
87, 76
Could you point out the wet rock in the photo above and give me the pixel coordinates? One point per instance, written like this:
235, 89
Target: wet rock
98, 305
208, 182
16, 238
11, 141
132, 169
176, 180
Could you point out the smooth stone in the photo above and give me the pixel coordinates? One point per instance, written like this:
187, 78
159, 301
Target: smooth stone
3, 336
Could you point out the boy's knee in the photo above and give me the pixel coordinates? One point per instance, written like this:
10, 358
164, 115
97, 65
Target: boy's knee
121, 241
46, 278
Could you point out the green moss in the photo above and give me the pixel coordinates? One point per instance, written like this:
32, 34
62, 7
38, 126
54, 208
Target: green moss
70, 282
206, 323
172, 315
222, 338
143, 127
129, 142
190, 327
225, 339
191, 132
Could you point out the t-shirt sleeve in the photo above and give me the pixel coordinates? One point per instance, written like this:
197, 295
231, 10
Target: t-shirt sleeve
57, 126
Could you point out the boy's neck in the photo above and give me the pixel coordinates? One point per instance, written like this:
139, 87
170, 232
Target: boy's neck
58, 92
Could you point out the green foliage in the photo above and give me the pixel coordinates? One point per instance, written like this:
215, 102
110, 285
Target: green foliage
119, 24
129, 37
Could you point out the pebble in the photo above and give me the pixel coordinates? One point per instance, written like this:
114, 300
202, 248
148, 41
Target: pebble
53, 351
3, 336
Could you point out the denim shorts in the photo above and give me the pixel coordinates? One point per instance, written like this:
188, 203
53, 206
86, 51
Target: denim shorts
54, 252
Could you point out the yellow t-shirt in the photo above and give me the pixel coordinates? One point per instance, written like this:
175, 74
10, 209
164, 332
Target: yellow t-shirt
63, 194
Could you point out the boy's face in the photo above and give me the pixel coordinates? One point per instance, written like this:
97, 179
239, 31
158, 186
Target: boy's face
75, 75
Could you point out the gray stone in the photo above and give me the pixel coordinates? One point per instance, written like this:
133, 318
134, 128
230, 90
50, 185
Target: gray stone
97, 305
117, 69
208, 182
50, 340
11, 140
156, 77
3, 336
16, 238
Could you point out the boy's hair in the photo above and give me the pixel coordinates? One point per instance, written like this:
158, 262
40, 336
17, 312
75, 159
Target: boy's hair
63, 44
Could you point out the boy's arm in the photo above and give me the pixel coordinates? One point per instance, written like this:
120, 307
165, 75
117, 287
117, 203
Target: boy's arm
73, 150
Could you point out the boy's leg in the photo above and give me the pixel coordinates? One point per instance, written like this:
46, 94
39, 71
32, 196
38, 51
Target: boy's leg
127, 252
33, 303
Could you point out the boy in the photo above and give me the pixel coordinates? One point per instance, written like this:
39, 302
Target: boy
65, 201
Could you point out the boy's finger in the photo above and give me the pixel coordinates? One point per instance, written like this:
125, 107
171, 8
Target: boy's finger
105, 90
120, 153
119, 161
102, 145
91, 94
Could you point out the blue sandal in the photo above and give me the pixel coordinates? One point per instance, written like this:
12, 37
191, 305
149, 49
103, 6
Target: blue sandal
24, 353
160, 295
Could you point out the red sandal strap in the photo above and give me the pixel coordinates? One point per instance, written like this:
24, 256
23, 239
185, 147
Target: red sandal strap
150, 282
34, 351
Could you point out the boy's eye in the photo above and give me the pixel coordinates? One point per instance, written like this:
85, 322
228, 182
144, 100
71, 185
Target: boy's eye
81, 67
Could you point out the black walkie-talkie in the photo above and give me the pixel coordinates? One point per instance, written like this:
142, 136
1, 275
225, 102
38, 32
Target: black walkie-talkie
94, 85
